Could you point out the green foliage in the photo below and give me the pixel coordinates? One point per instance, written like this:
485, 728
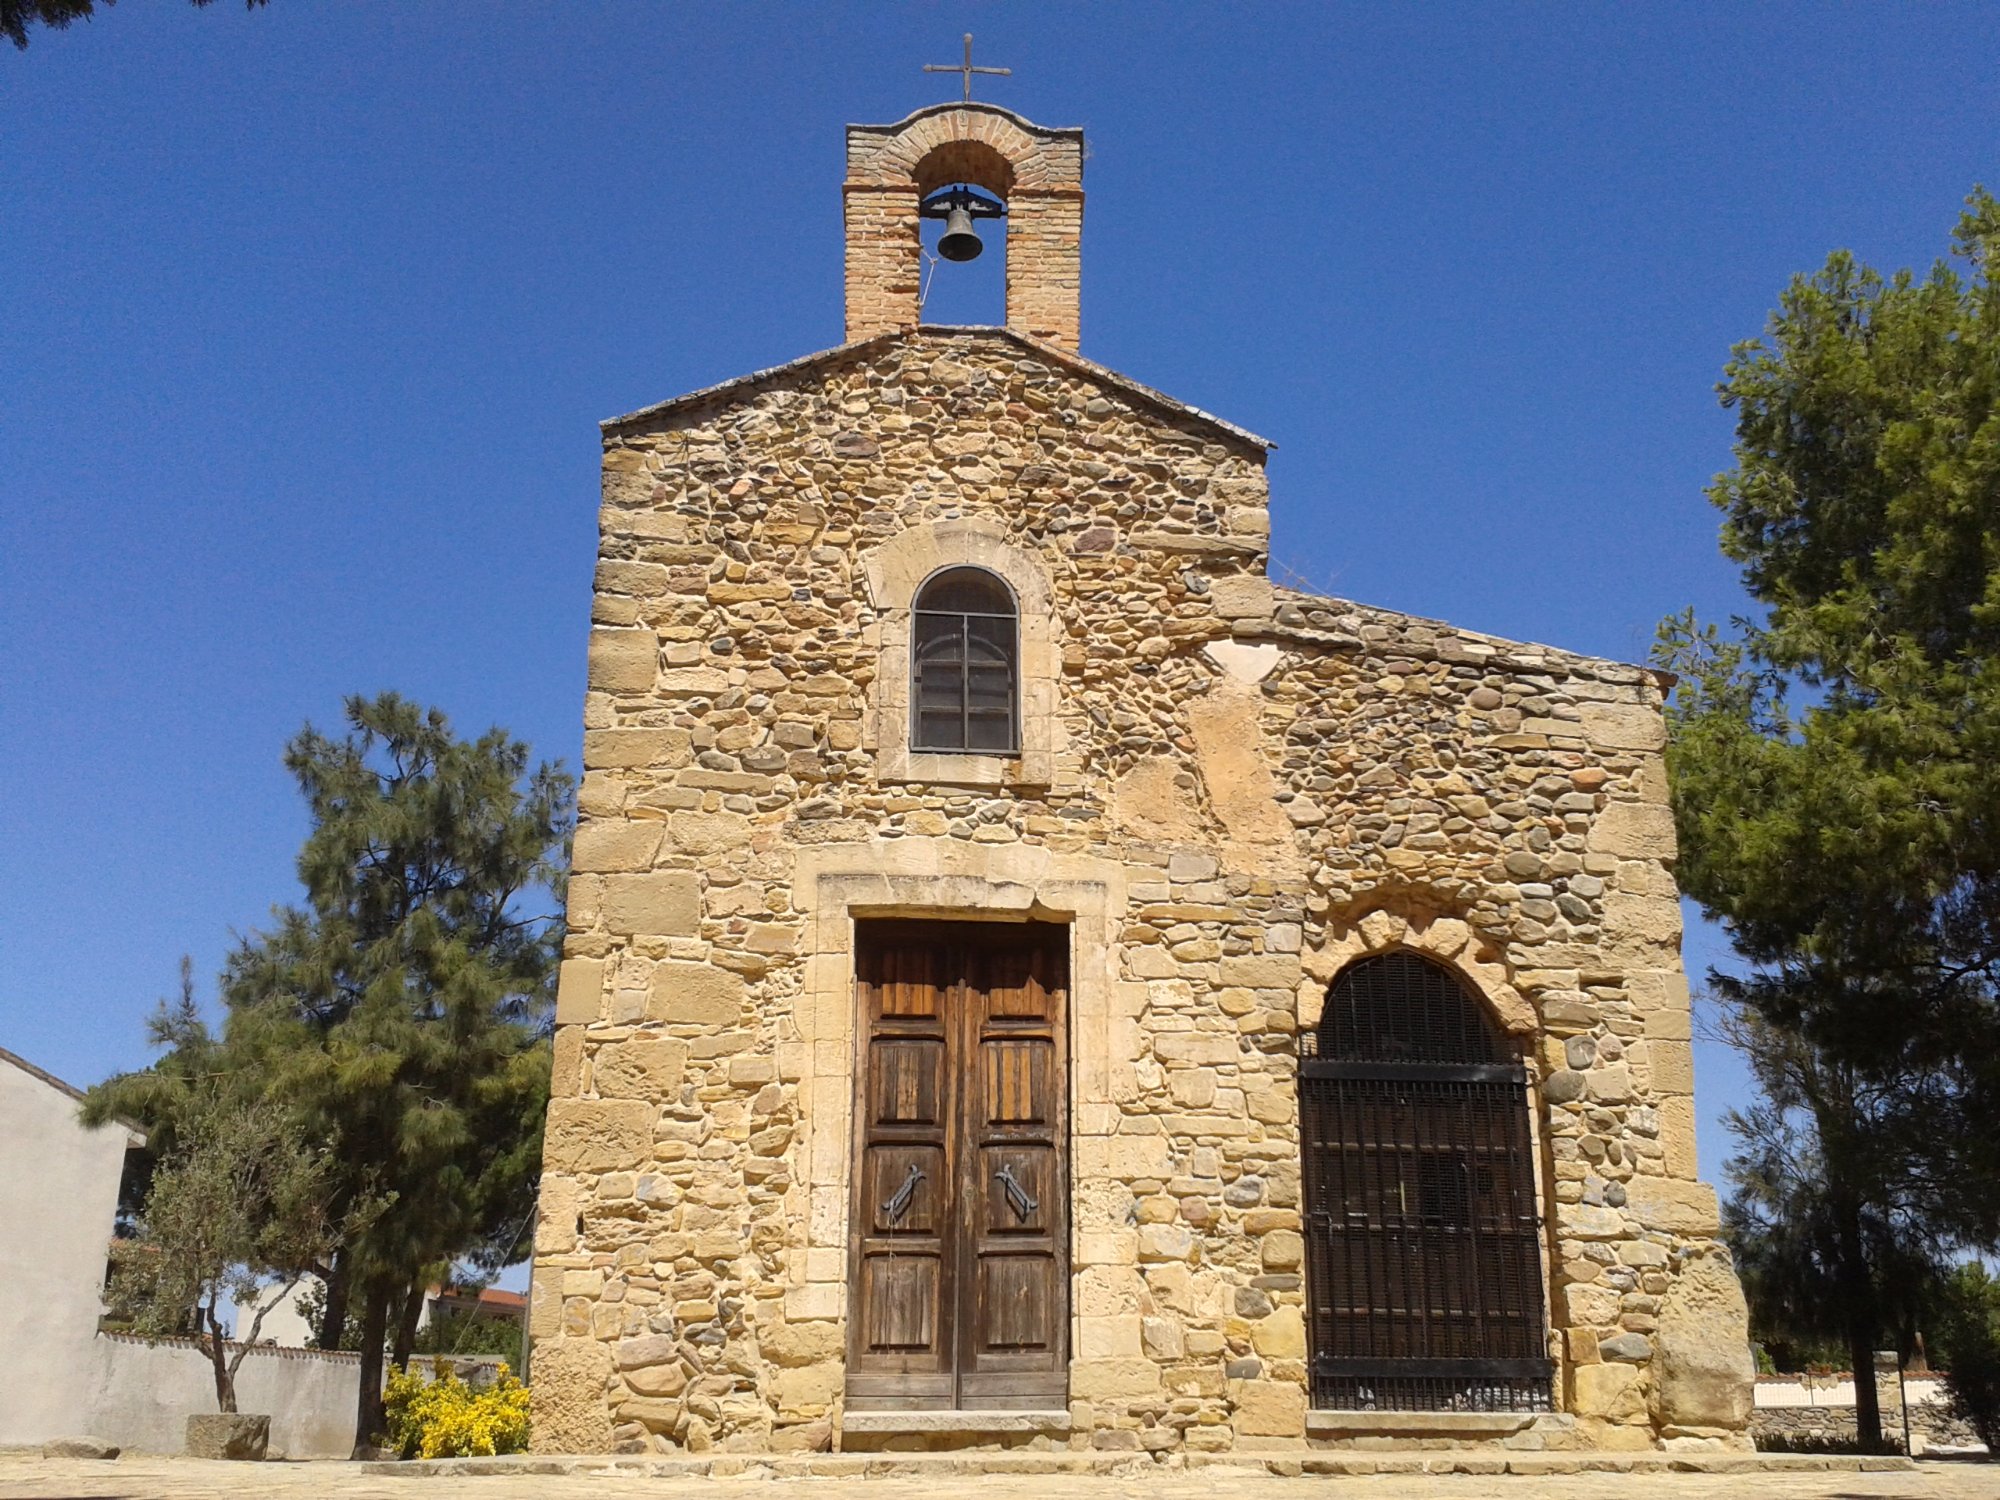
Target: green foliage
1805, 1243
444, 1417
469, 1333
237, 1196
1967, 1325
16, 16
1835, 765
407, 1005
405, 1009
401, 1015
311, 1305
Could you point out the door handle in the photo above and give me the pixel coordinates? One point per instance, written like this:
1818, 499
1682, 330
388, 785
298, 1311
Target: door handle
1017, 1196
899, 1205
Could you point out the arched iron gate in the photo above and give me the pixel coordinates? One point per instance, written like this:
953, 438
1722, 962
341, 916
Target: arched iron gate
1423, 1240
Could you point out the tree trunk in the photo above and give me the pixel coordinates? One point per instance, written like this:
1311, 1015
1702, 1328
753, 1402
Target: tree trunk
408, 1311
368, 1421
1857, 1296
333, 1317
225, 1384
1867, 1400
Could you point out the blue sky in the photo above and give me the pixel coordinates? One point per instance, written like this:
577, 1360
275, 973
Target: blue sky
307, 317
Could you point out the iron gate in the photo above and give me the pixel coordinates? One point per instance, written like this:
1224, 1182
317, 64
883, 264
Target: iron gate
1423, 1243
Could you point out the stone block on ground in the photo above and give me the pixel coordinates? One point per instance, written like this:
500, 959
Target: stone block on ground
233, 1435
79, 1447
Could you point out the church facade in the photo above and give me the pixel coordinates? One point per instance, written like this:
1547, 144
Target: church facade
1030, 981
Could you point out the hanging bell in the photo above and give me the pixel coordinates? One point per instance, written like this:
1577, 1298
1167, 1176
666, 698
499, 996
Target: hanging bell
959, 241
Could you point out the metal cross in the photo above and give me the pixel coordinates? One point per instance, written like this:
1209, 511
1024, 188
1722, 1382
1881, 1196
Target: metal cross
967, 68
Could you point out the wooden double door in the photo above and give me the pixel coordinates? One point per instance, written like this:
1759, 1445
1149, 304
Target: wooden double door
959, 1291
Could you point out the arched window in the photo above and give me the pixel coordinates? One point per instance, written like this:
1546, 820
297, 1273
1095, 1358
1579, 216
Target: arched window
1423, 1245
965, 665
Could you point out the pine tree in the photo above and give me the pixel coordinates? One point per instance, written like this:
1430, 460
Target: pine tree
405, 1009
16, 16
1836, 762
401, 1015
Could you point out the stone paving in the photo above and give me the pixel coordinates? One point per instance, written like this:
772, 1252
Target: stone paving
29, 1477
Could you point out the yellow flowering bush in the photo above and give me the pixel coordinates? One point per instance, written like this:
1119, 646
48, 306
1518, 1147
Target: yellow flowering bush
443, 1417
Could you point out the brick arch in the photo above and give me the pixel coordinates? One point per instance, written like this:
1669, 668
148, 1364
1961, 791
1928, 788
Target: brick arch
1038, 171
1034, 157
964, 161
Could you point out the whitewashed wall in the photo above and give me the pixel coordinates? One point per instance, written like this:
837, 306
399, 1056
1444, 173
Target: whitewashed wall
140, 1396
1796, 1390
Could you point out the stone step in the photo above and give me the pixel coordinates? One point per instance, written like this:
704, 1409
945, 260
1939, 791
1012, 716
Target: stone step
1287, 1464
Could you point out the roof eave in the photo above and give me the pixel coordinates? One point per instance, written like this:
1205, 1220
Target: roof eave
1053, 352
1502, 647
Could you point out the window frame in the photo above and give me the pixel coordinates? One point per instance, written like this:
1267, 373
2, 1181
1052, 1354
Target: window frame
893, 573
964, 664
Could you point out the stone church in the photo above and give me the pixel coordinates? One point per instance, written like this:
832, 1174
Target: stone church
1033, 982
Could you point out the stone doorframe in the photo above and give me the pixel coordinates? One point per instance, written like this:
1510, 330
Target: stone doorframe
941, 879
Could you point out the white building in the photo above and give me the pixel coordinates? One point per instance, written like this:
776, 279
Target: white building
58, 1210
58, 1204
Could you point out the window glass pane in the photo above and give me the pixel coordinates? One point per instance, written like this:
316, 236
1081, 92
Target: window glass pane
970, 590
990, 732
964, 665
939, 695
940, 731
988, 655
990, 691
940, 637
987, 633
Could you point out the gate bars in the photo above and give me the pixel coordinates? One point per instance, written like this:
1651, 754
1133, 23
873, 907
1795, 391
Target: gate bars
1423, 1256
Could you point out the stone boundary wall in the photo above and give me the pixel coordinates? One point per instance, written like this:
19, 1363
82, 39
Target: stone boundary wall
257, 1351
1837, 1390
1931, 1426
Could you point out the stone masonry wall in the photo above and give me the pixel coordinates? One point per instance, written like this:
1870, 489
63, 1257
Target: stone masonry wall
1247, 789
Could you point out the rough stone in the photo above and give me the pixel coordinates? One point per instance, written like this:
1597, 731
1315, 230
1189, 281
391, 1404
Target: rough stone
654, 1349
1269, 1408
664, 904
240, 1436
1677, 1207
645, 1068
570, 1413
1703, 1374
623, 661
80, 1447
1113, 1379
694, 994
1282, 1335
1608, 1392
1634, 1348
589, 1135
579, 991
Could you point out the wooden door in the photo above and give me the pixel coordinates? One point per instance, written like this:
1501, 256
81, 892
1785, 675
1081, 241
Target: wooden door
960, 1238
